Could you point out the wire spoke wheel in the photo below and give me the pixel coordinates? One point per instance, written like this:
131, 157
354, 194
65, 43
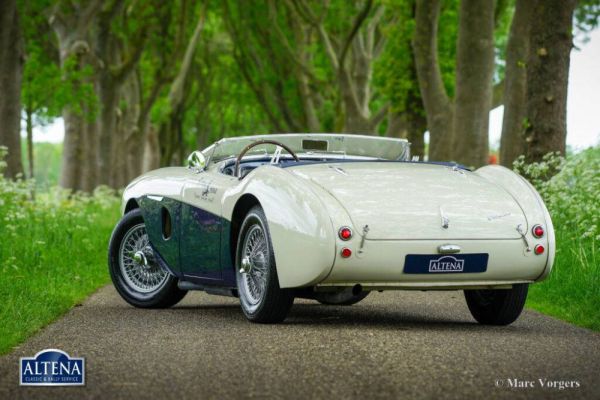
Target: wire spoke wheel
261, 297
136, 262
255, 264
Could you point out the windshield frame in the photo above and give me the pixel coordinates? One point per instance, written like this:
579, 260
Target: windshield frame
367, 143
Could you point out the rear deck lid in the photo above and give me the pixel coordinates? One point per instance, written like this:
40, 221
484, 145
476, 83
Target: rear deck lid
400, 200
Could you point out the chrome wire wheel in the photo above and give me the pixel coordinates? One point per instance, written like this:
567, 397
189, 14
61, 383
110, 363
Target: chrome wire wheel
136, 262
254, 265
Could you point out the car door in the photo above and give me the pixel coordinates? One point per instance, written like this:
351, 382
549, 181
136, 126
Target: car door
202, 225
162, 216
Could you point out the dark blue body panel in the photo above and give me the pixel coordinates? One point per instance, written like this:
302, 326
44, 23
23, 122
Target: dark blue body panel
200, 244
152, 210
199, 247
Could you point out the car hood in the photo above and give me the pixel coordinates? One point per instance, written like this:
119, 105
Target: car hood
402, 200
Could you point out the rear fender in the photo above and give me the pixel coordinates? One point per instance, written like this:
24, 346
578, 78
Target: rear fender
533, 207
299, 222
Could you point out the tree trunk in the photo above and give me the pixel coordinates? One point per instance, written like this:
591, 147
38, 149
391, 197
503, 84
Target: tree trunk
302, 37
312, 123
170, 132
512, 141
416, 125
416, 136
133, 150
396, 125
70, 173
114, 68
474, 78
170, 138
151, 150
75, 125
144, 151
355, 79
11, 68
437, 105
89, 153
354, 83
119, 152
547, 77
108, 94
29, 128
70, 24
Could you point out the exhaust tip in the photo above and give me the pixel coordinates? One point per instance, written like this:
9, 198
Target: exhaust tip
357, 289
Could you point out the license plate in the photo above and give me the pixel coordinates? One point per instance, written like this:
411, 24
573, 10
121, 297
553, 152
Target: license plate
445, 263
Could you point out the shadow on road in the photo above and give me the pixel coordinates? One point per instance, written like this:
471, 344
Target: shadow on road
316, 315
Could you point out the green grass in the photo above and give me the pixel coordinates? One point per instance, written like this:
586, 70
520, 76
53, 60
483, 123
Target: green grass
572, 292
52, 256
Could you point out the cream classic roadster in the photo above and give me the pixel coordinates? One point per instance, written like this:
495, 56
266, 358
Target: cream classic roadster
331, 218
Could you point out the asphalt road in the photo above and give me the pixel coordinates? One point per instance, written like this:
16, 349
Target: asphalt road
392, 345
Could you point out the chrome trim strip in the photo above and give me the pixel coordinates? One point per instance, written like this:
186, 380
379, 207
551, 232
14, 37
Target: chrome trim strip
449, 249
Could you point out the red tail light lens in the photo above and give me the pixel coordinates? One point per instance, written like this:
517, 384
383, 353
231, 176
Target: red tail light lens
345, 233
538, 231
346, 252
539, 249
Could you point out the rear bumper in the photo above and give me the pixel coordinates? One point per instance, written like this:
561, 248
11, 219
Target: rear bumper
380, 264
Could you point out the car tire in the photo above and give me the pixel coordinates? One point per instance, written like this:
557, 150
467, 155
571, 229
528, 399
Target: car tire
497, 306
163, 292
261, 298
342, 298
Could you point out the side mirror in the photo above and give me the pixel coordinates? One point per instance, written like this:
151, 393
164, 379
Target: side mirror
196, 161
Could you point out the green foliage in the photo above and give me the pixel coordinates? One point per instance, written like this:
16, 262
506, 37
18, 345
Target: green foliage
447, 36
52, 253
266, 38
41, 72
220, 103
48, 86
587, 18
264, 51
41, 82
77, 89
572, 292
393, 71
504, 13
48, 158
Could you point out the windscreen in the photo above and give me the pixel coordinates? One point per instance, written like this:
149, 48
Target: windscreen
336, 145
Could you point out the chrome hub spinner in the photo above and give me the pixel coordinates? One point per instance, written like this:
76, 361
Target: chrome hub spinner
246, 266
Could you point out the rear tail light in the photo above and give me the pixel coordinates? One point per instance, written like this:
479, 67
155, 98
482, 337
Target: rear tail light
538, 231
538, 249
346, 252
345, 233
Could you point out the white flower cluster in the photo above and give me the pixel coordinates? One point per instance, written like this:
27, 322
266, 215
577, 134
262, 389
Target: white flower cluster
571, 189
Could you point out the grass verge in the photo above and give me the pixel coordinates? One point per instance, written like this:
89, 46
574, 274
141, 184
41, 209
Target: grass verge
52, 256
572, 291
572, 195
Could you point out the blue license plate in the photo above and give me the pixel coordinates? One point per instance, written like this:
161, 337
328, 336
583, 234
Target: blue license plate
445, 263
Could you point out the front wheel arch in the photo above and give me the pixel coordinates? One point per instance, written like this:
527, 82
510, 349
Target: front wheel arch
132, 204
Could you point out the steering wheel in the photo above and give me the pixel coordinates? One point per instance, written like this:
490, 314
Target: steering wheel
236, 171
